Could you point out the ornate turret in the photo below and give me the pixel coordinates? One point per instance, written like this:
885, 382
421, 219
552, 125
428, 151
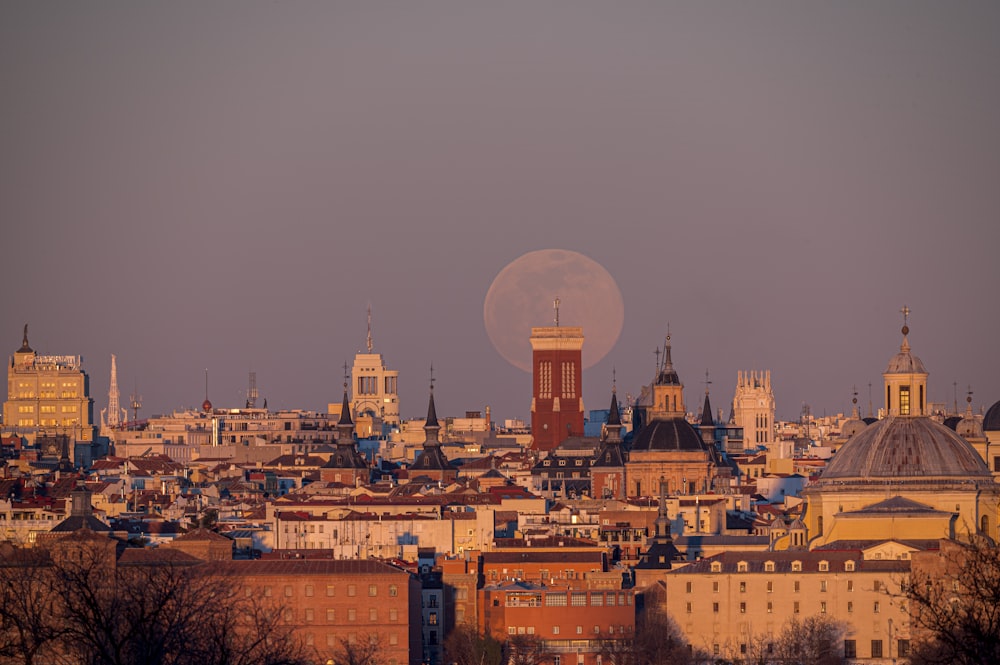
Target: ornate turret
346, 464
905, 379
431, 462
661, 551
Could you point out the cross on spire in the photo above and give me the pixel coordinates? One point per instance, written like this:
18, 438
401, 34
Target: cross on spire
345, 375
432, 376
906, 313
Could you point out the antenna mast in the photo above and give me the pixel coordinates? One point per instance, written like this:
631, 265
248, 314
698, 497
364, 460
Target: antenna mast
135, 403
252, 391
369, 328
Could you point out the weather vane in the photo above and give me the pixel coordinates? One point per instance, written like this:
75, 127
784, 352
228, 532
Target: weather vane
906, 314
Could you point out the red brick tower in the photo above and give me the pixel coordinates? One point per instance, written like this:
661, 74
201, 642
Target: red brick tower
557, 385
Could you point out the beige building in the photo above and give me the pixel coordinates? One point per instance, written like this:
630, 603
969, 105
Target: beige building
753, 408
734, 605
948, 488
48, 397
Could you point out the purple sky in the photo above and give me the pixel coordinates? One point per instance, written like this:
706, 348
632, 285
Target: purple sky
228, 185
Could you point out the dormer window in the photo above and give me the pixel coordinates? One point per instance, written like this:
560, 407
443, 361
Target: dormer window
824, 566
716, 567
741, 567
796, 566
849, 566
768, 566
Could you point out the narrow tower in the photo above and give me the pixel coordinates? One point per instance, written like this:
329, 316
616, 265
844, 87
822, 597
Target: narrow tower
114, 415
557, 384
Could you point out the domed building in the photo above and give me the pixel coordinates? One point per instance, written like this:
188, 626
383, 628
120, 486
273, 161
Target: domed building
991, 430
906, 477
668, 449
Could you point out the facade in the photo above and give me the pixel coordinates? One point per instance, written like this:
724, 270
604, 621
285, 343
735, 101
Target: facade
48, 397
557, 385
572, 625
734, 605
753, 408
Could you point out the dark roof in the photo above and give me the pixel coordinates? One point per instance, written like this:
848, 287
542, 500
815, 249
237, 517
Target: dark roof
610, 455
951, 422
432, 419
668, 434
77, 522
897, 505
305, 567
345, 411
991, 421
614, 416
783, 562
706, 413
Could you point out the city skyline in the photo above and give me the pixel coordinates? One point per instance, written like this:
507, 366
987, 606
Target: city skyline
230, 187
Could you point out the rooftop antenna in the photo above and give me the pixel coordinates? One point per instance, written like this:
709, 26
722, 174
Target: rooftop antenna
135, 403
432, 377
707, 382
252, 391
555, 306
870, 412
206, 406
370, 345
954, 386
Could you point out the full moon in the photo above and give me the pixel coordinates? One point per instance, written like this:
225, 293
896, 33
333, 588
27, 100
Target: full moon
522, 296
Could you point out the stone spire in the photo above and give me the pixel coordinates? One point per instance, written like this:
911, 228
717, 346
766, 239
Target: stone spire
24, 342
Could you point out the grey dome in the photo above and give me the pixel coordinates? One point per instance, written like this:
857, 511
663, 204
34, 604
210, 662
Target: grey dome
903, 447
852, 427
991, 421
970, 428
668, 434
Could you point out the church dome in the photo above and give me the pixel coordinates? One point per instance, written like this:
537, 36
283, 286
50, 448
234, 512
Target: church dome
905, 362
903, 447
970, 428
852, 427
667, 434
991, 421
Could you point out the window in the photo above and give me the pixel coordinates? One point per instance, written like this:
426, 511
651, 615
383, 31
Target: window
689, 608
824, 566
768, 566
743, 587
822, 607
579, 630
795, 607
903, 648
796, 586
393, 614
850, 585
876, 648
850, 606
373, 614
743, 608
309, 614
904, 410
288, 591
330, 589
796, 566
849, 566
741, 567
715, 587
372, 589
579, 600
822, 586
877, 586
715, 607
555, 630
352, 614
716, 567
309, 590
597, 630
687, 587
331, 616
393, 590
596, 599
875, 608
770, 607
850, 649
267, 592
433, 619
555, 600
352, 590
770, 586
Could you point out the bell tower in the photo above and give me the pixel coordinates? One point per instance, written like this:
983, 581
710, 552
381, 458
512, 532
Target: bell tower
557, 384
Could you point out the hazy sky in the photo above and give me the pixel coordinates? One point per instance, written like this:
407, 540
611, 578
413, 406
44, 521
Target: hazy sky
230, 184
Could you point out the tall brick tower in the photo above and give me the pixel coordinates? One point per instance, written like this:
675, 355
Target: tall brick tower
557, 384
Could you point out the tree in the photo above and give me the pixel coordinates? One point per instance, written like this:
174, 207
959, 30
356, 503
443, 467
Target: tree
813, 641
75, 602
27, 632
466, 646
526, 650
954, 609
657, 641
364, 651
